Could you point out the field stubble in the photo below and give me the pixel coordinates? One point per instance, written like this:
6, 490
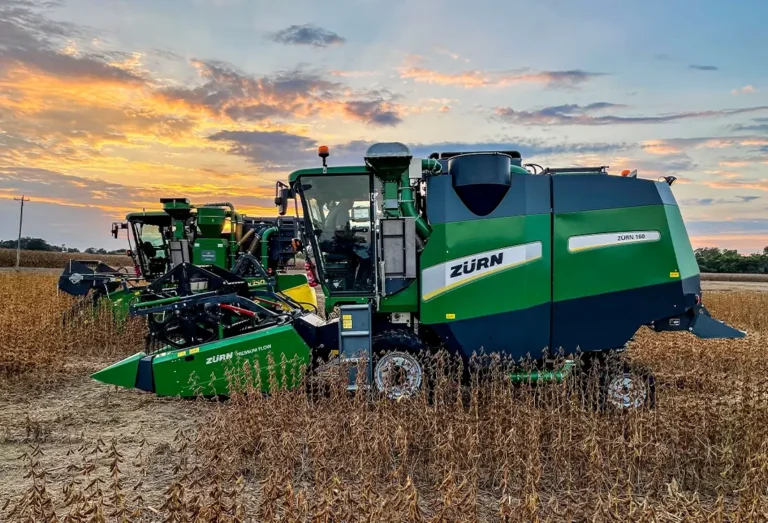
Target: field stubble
74, 450
52, 259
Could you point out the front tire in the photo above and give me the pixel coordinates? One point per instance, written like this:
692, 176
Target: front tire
398, 372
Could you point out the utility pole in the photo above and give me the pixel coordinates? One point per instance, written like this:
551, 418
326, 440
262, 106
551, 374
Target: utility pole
21, 219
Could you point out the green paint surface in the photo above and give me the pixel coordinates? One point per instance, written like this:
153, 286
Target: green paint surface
122, 373
686, 259
204, 369
512, 289
289, 281
210, 251
407, 300
332, 301
120, 301
625, 266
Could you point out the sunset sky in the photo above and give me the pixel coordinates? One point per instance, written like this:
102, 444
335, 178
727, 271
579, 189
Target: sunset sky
108, 105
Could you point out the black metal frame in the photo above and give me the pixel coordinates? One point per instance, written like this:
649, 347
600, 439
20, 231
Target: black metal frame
308, 230
141, 257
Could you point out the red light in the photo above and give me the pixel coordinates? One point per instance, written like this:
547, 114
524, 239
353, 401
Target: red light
311, 280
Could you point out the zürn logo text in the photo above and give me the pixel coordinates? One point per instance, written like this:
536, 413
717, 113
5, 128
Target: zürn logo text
477, 264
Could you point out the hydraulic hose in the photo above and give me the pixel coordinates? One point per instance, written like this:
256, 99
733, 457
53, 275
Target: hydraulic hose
254, 244
246, 237
265, 245
408, 207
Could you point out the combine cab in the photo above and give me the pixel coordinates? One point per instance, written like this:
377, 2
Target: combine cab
474, 252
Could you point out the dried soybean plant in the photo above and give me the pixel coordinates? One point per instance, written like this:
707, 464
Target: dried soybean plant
476, 449
45, 331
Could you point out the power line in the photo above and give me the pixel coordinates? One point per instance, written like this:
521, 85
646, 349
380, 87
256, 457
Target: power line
21, 220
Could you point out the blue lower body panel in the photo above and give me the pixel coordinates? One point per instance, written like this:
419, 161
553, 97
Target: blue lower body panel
594, 323
513, 334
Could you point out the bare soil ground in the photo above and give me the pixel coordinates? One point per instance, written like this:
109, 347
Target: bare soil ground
82, 411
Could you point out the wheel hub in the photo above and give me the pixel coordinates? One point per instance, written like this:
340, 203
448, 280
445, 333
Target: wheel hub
626, 392
398, 375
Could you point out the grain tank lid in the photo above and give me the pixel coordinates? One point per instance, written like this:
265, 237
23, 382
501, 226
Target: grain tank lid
516, 157
481, 180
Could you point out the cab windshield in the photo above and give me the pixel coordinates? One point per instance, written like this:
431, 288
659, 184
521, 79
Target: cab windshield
151, 248
151, 234
337, 211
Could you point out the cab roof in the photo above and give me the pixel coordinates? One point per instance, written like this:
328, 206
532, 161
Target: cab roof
318, 171
153, 217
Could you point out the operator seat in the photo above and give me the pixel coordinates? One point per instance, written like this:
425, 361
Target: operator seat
339, 216
336, 221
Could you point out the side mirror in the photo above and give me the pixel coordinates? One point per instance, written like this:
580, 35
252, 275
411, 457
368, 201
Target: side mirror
282, 195
116, 226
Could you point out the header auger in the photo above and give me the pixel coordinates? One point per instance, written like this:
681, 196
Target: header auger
474, 252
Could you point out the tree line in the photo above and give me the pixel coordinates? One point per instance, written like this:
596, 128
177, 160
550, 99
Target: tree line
39, 244
712, 259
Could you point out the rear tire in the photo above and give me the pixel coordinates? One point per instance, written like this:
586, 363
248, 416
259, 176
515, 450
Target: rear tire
616, 384
628, 390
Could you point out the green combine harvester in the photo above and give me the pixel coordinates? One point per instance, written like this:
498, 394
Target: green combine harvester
213, 234
473, 252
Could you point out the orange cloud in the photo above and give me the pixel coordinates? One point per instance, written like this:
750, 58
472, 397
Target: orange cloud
734, 163
747, 89
414, 70
660, 147
757, 185
680, 145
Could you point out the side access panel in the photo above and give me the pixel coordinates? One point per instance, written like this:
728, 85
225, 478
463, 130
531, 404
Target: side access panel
486, 280
618, 260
